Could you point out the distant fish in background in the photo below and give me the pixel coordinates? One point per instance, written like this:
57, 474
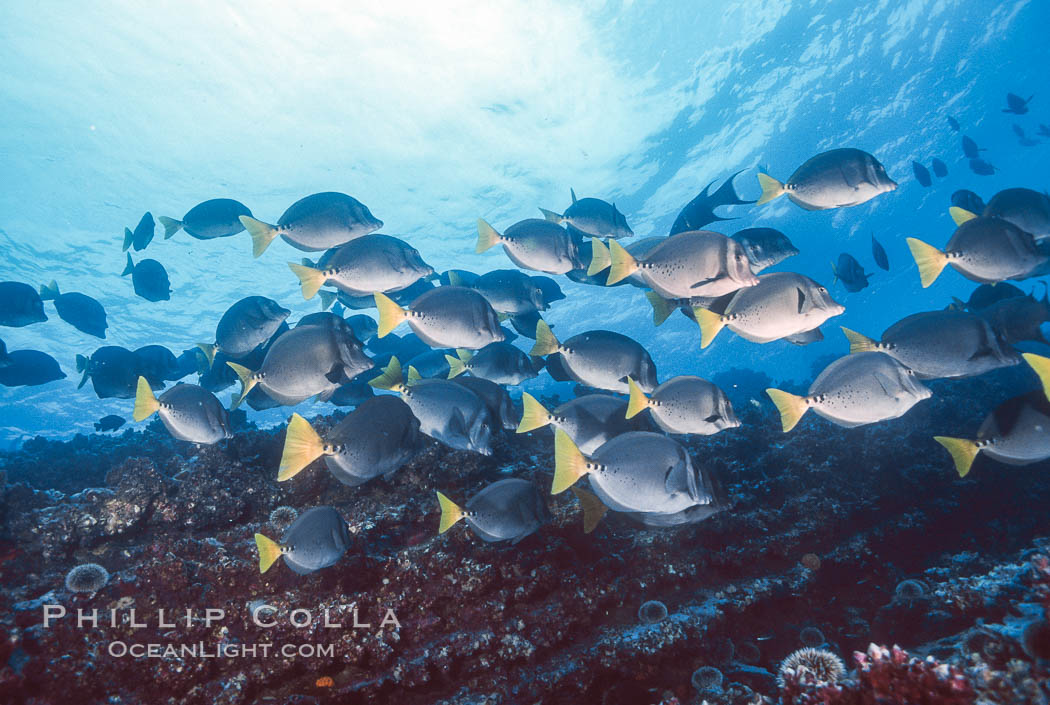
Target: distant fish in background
20, 305
149, 279
113, 371
109, 423
968, 200
29, 368
1017, 318
1016, 104
1022, 138
987, 295
317, 222
1044, 130
879, 253
765, 247
953, 123
940, 169
316, 540
593, 217
218, 217
970, 148
1015, 434
143, 234
921, 174
981, 167
850, 272
836, 179
701, 210
78, 310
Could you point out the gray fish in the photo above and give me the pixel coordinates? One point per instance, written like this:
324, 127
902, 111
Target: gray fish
445, 317
78, 310
317, 222
985, 250
940, 344
501, 363
462, 277
143, 234
879, 254
921, 174
940, 169
782, 304
765, 247
599, 358
157, 364
431, 363
835, 179
109, 423
218, 217
365, 264
982, 168
700, 263
316, 540
364, 327
304, 362
593, 217
685, 404
375, 439
190, 413
1015, 434
970, 148
510, 291
590, 420
324, 318
549, 288
501, 407
245, 326
850, 272
447, 412
986, 295
506, 510
1016, 104
525, 324
149, 279
354, 393
1027, 209
20, 305
113, 371
29, 368
639, 471
1044, 130
1017, 318
855, 390
534, 244
701, 210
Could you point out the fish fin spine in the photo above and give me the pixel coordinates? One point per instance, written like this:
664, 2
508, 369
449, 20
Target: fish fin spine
146, 403
302, 446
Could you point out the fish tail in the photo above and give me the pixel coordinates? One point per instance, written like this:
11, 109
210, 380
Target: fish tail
1041, 365
391, 378
129, 267
710, 323
390, 314
458, 365
327, 299
857, 342
662, 308
534, 414
450, 513
413, 376
929, 259
771, 188
552, 217
963, 452
302, 446
269, 551
247, 381
171, 226
569, 463
546, 343
600, 258
128, 237
262, 233
49, 292
622, 263
82, 363
835, 274
310, 279
487, 236
790, 406
146, 403
638, 401
593, 509
454, 279
961, 215
209, 352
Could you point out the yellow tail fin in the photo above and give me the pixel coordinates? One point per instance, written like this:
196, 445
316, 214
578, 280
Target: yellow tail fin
771, 188
262, 233
546, 343
487, 236
302, 446
662, 308
623, 263
929, 259
790, 406
269, 551
859, 343
599, 257
569, 463
310, 280
458, 365
961, 215
390, 314
391, 378
413, 376
552, 216
1041, 365
710, 323
146, 403
247, 382
593, 509
963, 452
534, 415
639, 402
171, 226
209, 352
450, 513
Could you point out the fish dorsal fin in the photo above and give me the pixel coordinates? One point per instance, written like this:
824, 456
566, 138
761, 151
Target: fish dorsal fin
573, 194
801, 299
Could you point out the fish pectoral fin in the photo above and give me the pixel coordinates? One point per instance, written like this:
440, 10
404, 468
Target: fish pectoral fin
457, 425
886, 384
703, 282
335, 375
801, 299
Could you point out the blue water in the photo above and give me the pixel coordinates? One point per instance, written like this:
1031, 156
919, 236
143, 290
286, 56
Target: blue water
436, 114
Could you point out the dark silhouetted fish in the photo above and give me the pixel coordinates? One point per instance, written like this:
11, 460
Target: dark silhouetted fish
364, 327
1016, 104
765, 247
78, 310
1015, 434
551, 290
986, 295
701, 210
113, 371
525, 324
20, 305
1017, 318
464, 277
316, 540
29, 368
1027, 209
593, 217
157, 364
149, 279
835, 179
4, 359
1018, 130
431, 363
968, 200
218, 217
509, 291
879, 253
109, 423
353, 393
970, 148
143, 234
940, 169
921, 174
506, 510
981, 167
849, 271
317, 222
953, 123
1044, 130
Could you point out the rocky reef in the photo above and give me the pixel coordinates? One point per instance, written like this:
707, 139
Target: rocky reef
836, 539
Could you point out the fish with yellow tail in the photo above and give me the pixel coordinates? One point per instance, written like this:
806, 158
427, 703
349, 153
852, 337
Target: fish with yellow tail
835, 179
363, 265
443, 317
1041, 366
506, 510
190, 413
316, 540
590, 420
684, 404
1014, 434
534, 244
599, 358
317, 222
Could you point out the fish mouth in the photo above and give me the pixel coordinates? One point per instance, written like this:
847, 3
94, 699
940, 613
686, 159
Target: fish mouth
891, 186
